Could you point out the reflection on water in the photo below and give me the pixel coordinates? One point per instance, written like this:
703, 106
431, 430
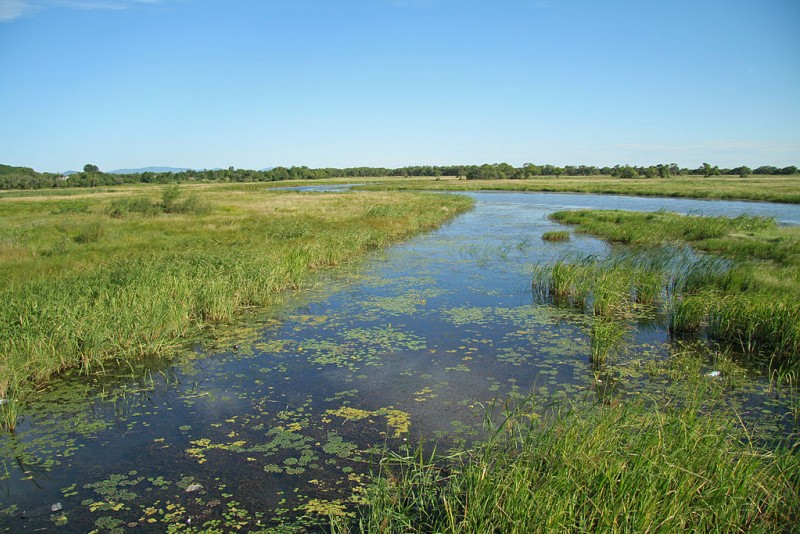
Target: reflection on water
277, 421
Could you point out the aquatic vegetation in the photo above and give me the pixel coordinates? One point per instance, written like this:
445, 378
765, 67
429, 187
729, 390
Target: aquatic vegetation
756, 324
556, 235
608, 337
668, 467
729, 299
397, 421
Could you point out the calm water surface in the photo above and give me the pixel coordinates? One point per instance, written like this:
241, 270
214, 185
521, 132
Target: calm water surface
276, 422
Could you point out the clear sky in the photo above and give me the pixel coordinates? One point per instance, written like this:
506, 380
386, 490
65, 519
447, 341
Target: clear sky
259, 83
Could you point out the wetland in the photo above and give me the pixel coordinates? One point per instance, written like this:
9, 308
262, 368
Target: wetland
282, 421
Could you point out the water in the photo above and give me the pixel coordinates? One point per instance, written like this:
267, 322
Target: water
278, 420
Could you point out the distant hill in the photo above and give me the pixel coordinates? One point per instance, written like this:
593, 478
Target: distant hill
10, 169
150, 169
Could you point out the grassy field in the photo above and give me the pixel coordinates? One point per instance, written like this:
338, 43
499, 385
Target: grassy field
94, 277
763, 188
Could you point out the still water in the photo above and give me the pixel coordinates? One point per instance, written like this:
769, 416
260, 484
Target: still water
276, 422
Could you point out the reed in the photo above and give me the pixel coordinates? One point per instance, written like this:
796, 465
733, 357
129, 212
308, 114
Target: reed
638, 467
755, 324
608, 337
556, 236
741, 289
564, 282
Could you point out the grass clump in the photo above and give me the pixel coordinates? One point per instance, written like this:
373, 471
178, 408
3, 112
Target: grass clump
172, 201
638, 467
607, 337
556, 236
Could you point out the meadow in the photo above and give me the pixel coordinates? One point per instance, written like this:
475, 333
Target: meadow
100, 277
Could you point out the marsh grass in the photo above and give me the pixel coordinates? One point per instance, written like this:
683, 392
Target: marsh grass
607, 338
757, 323
583, 467
763, 188
556, 236
727, 292
131, 284
609, 287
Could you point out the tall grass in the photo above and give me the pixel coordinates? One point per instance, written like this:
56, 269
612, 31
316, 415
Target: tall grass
151, 280
748, 302
608, 337
754, 324
588, 468
556, 235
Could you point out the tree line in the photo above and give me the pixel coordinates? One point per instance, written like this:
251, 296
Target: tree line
92, 176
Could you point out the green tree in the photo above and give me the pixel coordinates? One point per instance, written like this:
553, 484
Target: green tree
628, 172
91, 168
708, 170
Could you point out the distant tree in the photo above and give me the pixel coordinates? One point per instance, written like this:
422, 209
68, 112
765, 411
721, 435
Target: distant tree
529, 169
91, 168
663, 171
627, 172
766, 169
708, 170
789, 170
742, 171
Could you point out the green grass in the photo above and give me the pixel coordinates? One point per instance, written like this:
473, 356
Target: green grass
587, 467
555, 236
89, 282
756, 187
743, 292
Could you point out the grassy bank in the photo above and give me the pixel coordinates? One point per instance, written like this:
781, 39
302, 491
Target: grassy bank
639, 467
761, 188
122, 274
745, 294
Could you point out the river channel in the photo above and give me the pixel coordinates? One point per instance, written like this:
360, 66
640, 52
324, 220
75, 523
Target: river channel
276, 422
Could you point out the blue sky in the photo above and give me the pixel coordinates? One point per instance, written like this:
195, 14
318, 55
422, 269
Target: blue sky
258, 83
